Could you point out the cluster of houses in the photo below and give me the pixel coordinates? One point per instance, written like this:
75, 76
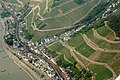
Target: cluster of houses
32, 58
38, 63
42, 63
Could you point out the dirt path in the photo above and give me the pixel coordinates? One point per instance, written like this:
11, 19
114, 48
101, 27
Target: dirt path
47, 6
110, 29
20, 2
74, 56
95, 46
77, 59
66, 59
51, 44
91, 61
103, 38
53, 29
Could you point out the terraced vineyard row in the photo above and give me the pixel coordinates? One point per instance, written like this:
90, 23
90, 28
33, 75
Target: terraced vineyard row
103, 64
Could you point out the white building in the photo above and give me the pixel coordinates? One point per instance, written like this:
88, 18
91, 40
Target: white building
118, 78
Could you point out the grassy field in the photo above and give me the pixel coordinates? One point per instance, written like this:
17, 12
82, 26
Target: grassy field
39, 35
80, 45
12, 1
101, 43
114, 63
61, 51
42, 7
101, 72
105, 57
67, 7
76, 14
59, 48
52, 13
29, 21
95, 39
25, 1
104, 31
35, 14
